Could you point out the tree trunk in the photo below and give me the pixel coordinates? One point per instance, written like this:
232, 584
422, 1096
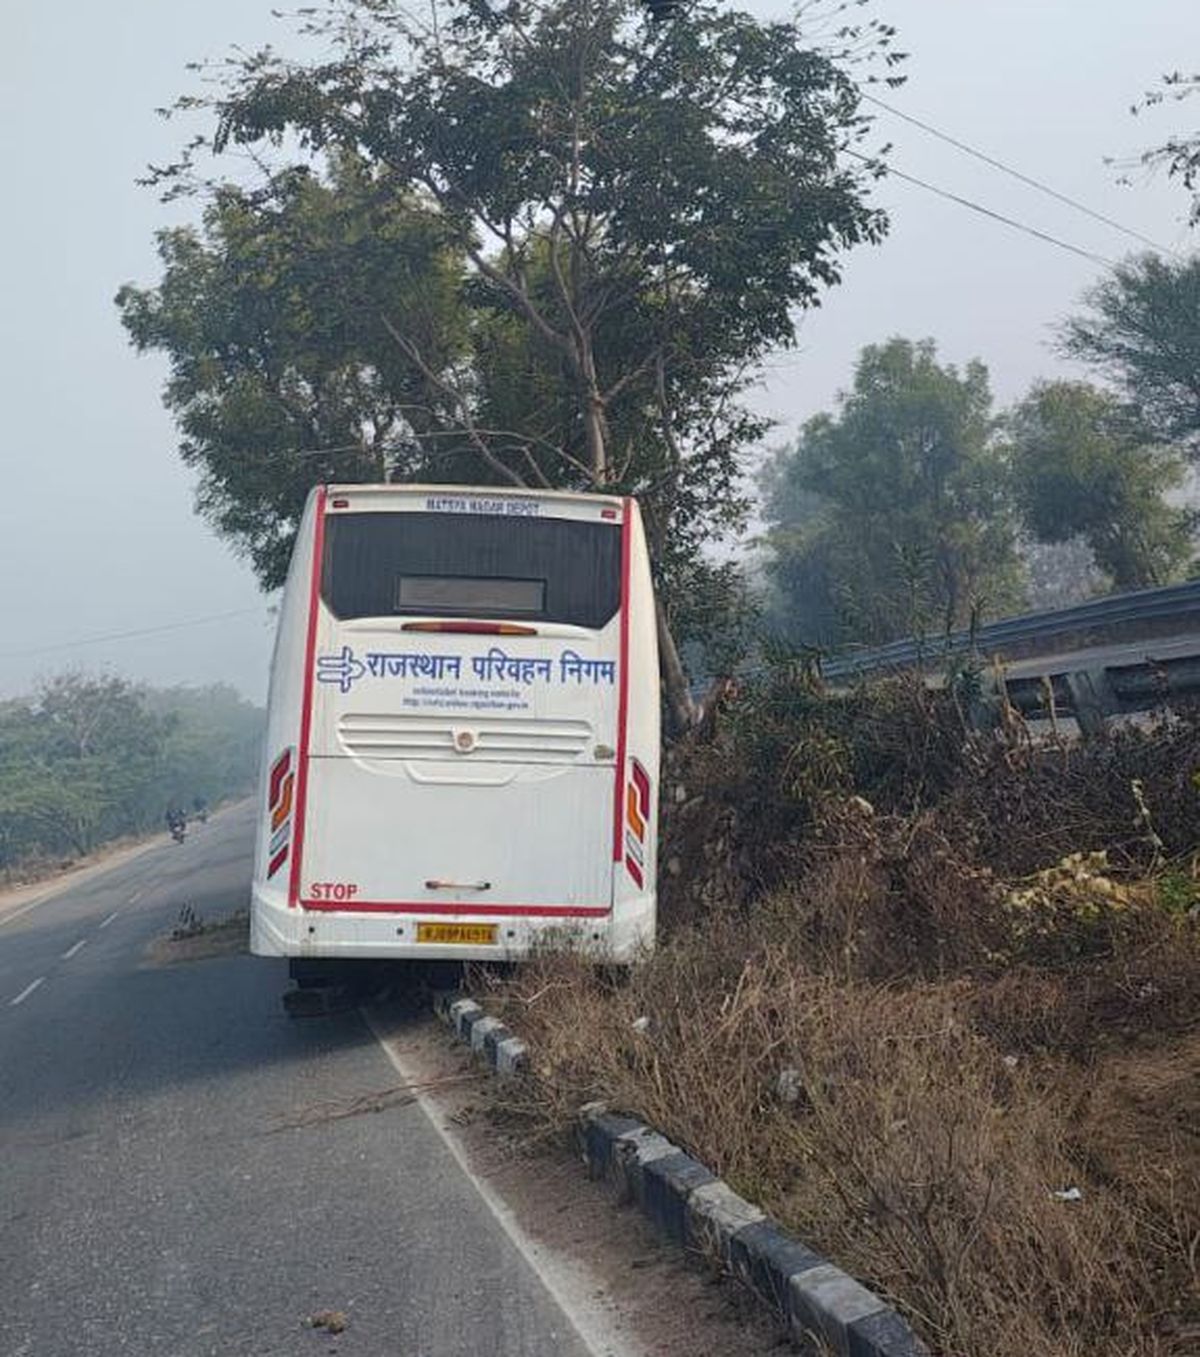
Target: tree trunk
681, 709
593, 423
593, 411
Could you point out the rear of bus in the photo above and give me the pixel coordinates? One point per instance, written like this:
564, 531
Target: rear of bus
463, 729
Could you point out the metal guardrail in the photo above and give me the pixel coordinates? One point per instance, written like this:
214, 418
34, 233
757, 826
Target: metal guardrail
1076, 681
1143, 605
1091, 695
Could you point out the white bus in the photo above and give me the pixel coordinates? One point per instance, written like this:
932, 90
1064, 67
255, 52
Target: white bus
462, 745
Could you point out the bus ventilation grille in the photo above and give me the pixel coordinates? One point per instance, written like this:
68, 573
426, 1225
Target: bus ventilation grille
493, 738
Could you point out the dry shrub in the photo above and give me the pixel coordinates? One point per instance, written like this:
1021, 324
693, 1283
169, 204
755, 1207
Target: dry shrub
1148, 990
881, 896
1137, 1124
887, 1129
747, 811
1033, 804
928, 1164
914, 982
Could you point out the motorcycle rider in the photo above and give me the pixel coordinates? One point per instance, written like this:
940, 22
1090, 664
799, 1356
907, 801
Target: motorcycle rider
176, 821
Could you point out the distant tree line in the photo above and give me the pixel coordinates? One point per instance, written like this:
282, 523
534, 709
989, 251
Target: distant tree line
916, 507
88, 759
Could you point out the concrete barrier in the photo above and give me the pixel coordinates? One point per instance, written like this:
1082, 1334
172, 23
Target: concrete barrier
688, 1204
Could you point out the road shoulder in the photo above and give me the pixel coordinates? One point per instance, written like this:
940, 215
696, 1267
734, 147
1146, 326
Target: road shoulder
619, 1277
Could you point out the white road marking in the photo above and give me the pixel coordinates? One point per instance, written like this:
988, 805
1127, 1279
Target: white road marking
70, 952
105, 922
569, 1287
70, 880
26, 992
137, 895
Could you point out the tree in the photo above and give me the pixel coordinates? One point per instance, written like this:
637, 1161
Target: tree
1143, 332
90, 758
811, 572
1179, 154
212, 744
282, 372
643, 206
894, 510
1084, 467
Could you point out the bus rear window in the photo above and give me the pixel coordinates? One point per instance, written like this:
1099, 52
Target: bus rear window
481, 566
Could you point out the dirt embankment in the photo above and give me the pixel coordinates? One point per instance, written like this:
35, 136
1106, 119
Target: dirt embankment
933, 999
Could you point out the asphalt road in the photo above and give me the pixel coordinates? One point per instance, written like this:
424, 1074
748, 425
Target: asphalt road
155, 1193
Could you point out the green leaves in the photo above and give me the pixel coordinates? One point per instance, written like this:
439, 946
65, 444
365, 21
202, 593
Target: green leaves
898, 514
88, 759
282, 371
1084, 466
1142, 330
891, 517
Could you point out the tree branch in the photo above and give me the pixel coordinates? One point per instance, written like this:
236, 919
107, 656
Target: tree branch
459, 400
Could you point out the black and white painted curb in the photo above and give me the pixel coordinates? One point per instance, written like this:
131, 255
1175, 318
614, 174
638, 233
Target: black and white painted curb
691, 1206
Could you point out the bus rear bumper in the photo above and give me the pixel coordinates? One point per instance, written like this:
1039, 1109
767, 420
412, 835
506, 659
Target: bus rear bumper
277, 930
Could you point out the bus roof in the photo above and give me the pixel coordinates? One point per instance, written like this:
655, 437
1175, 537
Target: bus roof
368, 492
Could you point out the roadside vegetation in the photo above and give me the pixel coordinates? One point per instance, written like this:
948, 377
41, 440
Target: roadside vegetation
90, 759
916, 507
931, 998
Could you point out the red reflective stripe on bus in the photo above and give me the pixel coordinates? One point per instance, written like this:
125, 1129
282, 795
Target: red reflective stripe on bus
282, 764
310, 646
482, 911
623, 697
641, 781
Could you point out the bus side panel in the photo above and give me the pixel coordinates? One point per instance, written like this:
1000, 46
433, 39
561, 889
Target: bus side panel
635, 850
271, 923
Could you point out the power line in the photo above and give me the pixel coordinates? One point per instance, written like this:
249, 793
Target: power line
126, 635
1017, 174
985, 211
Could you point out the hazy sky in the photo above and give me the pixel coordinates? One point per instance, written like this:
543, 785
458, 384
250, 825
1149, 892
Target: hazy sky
97, 530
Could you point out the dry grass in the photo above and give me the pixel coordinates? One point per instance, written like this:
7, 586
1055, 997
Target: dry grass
197, 939
884, 1126
903, 1032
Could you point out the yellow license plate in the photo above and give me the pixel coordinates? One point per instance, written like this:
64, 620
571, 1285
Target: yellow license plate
472, 934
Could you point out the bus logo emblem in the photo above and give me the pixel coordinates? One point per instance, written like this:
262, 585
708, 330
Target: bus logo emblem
342, 669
